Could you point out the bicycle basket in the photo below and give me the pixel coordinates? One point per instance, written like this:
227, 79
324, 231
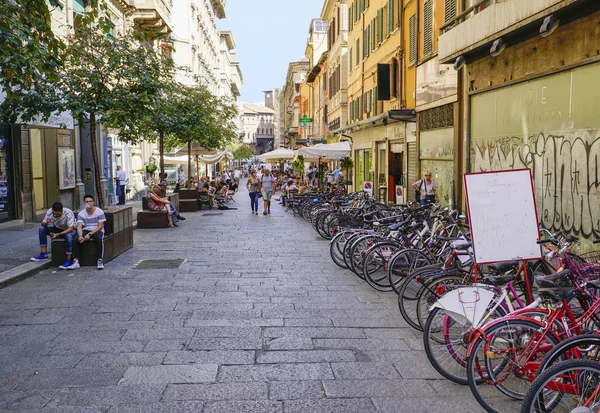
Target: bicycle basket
585, 265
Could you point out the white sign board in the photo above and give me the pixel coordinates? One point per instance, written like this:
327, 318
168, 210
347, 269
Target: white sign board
502, 215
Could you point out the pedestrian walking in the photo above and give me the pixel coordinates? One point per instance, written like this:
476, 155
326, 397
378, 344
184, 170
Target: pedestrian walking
58, 222
253, 185
426, 190
90, 226
121, 179
266, 189
237, 174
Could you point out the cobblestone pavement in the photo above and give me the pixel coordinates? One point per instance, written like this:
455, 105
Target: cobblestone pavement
255, 319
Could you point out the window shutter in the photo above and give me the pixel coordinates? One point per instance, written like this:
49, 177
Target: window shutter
390, 16
412, 35
357, 51
380, 26
361, 6
449, 10
428, 28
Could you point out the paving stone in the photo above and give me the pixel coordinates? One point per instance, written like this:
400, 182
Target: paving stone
201, 373
376, 387
353, 405
425, 404
98, 347
108, 395
166, 345
210, 357
290, 390
237, 322
276, 372
35, 363
307, 356
73, 409
361, 344
162, 407
364, 370
159, 333
48, 379
308, 322
97, 360
225, 343
289, 343
245, 332
246, 406
25, 400
314, 332
217, 391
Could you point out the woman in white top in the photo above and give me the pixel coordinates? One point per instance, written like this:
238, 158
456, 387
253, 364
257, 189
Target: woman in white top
427, 190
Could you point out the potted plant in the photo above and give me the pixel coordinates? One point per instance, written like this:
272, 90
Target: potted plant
347, 164
298, 165
151, 168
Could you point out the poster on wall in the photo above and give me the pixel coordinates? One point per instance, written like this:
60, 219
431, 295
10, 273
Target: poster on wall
399, 195
66, 168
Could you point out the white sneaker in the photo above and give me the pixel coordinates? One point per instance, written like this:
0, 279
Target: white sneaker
100, 265
74, 266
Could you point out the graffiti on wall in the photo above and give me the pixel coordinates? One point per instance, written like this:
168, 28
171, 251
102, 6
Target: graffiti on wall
566, 173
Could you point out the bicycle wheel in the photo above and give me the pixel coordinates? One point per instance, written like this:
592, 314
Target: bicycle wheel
583, 346
408, 293
569, 386
359, 250
432, 290
336, 247
503, 361
447, 343
403, 263
375, 264
346, 253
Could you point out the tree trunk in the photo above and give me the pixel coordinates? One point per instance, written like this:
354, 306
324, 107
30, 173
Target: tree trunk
189, 163
96, 160
161, 150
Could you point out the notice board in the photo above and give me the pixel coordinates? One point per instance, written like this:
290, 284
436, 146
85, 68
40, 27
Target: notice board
502, 215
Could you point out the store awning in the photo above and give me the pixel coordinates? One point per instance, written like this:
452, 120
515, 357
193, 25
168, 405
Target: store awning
279, 154
334, 151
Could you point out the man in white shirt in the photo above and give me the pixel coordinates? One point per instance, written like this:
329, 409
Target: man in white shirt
237, 174
90, 225
121, 178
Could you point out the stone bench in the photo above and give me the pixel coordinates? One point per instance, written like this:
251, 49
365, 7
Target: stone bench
155, 219
118, 238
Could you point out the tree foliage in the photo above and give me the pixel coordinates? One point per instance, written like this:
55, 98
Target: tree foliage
30, 58
109, 76
242, 152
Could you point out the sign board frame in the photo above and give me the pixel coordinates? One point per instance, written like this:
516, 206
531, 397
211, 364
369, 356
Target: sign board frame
502, 215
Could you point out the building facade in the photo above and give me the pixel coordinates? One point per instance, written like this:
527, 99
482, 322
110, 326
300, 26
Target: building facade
527, 93
295, 77
258, 128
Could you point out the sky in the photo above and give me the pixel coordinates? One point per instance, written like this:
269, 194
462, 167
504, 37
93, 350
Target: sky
268, 34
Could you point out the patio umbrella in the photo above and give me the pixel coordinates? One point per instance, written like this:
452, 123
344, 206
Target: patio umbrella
280, 154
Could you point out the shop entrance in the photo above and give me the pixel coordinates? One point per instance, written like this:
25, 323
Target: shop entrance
44, 167
6, 179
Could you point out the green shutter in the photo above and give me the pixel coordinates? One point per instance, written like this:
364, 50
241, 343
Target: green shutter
380, 25
361, 6
79, 6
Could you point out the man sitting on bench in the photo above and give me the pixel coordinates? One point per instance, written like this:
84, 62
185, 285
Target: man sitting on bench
58, 222
90, 225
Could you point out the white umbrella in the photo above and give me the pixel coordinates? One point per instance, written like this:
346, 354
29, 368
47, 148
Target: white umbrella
332, 151
279, 154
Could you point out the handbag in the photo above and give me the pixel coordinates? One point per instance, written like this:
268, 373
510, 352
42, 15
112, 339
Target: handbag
418, 192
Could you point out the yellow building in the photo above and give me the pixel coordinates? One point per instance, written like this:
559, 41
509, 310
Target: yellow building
381, 112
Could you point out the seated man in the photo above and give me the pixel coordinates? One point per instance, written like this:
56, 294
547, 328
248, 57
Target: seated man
90, 225
233, 188
289, 186
58, 222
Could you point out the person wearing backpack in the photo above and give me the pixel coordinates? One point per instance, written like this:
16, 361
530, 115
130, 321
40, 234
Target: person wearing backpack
426, 190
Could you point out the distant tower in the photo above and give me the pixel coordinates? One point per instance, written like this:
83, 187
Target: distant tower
269, 99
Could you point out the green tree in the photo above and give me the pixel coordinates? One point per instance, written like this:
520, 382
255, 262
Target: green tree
196, 116
242, 152
29, 60
108, 76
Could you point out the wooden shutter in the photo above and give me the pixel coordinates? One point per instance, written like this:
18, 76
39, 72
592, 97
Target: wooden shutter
412, 36
449, 10
428, 28
412, 166
380, 26
391, 13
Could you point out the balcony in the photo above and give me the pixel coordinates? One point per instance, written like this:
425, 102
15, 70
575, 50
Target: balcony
219, 6
487, 20
152, 15
236, 79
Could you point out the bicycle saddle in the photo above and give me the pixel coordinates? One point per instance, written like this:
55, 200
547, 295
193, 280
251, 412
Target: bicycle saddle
560, 279
502, 267
461, 245
499, 280
558, 294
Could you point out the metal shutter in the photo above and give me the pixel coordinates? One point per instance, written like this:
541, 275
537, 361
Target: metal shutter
428, 28
449, 10
412, 167
412, 35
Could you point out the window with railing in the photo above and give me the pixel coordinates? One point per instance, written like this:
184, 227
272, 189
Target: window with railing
469, 9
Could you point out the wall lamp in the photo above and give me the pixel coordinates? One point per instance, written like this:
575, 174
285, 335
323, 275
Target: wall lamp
497, 47
549, 26
459, 62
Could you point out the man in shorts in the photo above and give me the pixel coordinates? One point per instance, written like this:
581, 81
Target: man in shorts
266, 189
